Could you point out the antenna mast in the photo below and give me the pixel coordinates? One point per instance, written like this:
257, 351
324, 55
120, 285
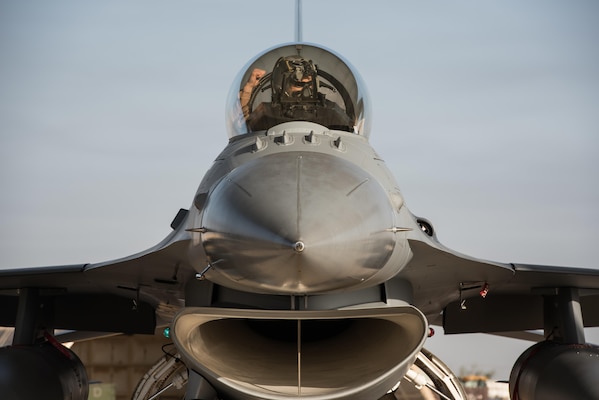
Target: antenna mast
298, 21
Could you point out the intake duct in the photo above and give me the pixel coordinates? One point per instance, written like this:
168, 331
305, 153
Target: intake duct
318, 355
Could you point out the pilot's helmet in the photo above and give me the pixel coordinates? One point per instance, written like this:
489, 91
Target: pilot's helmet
294, 80
297, 82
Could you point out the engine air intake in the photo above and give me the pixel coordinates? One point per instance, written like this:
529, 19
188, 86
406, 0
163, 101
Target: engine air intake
265, 354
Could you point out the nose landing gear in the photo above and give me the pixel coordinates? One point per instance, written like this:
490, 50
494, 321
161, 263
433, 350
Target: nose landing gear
429, 377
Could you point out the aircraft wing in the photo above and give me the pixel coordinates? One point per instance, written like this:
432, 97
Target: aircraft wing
122, 295
467, 295
126, 295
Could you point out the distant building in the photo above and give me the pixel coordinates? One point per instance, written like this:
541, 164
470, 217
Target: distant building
480, 387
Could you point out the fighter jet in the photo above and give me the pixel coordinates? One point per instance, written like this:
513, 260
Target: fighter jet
299, 272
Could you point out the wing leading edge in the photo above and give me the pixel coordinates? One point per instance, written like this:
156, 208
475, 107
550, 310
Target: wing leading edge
128, 295
466, 295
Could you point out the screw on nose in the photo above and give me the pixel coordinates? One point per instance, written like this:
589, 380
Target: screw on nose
298, 247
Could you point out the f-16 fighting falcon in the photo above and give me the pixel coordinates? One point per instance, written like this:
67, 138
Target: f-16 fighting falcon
299, 272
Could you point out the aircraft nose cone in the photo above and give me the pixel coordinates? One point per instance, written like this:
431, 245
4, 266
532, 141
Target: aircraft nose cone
297, 223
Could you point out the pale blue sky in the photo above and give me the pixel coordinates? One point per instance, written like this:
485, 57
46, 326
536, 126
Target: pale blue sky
487, 113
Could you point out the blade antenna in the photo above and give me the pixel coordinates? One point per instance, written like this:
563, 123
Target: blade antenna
298, 21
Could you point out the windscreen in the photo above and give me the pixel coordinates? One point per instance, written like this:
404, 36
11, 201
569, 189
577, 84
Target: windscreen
297, 82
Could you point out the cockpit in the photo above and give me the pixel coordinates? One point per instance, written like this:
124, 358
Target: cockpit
297, 82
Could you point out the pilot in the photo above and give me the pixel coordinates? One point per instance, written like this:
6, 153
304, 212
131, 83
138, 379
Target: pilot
295, 80
295, 94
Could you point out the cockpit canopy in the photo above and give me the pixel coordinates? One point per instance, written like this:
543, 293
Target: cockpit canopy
298, 82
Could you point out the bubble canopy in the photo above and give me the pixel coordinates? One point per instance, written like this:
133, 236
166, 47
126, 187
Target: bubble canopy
298, 82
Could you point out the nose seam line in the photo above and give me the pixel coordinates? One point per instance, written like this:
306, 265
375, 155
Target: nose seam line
298, 176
